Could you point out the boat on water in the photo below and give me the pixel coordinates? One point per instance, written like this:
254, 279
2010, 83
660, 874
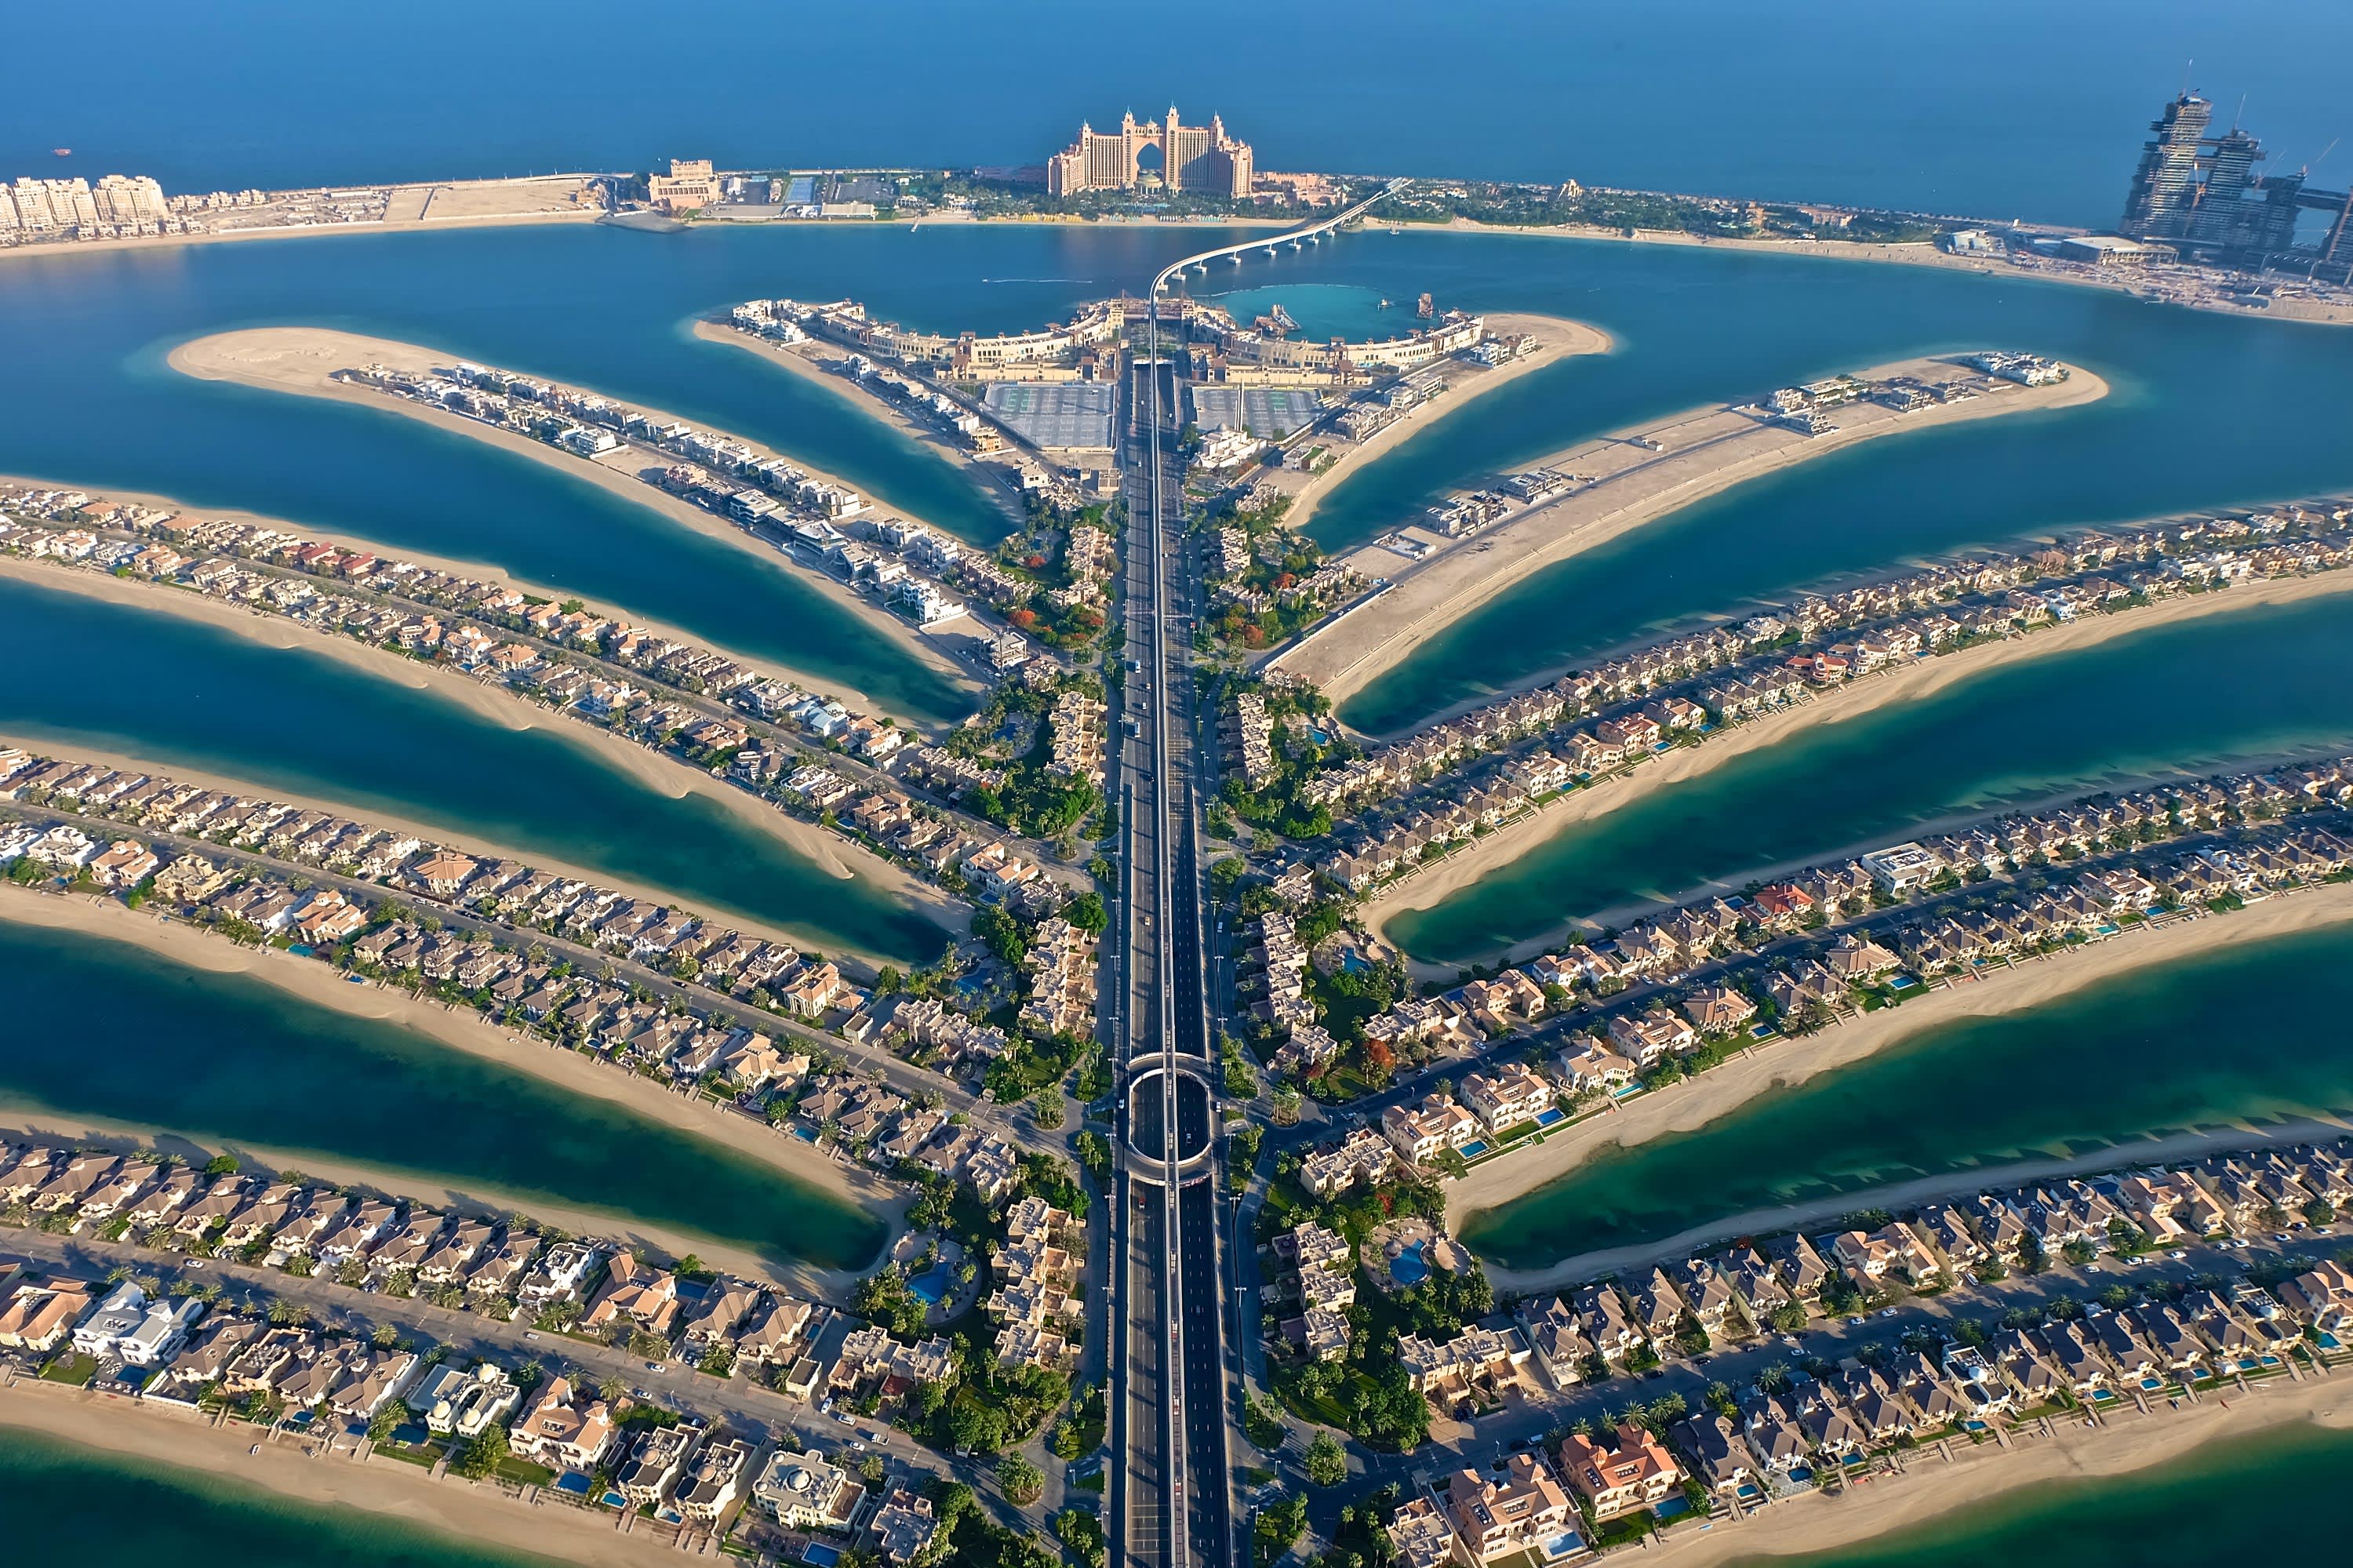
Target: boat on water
61, 151
1384, 305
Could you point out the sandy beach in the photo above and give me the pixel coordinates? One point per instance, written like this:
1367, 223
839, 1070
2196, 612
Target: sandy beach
1508, 844
464, 1512
1929, 1488
461, 1029
1557, 339
987, 478
302, 359
836, 857
1703, 452
1695, 1102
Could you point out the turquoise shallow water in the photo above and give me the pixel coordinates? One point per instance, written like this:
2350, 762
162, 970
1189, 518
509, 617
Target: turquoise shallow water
232, 1060
2252, 1034
2192, 698
175, 691
2199, 1512
65, 1502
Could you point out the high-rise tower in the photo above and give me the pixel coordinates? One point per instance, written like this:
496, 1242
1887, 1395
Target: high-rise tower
2164, 193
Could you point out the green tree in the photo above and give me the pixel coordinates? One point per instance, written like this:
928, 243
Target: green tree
1278, 1525
1021, 1479
1327, 1464
1260, 1423
484, 1455
1082, 1532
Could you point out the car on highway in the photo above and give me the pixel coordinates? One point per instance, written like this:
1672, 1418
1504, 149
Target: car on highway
1854, 1322
2176, 1253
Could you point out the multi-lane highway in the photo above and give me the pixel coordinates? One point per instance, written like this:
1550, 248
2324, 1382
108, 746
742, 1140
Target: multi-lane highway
1176, 1403
1170, 1489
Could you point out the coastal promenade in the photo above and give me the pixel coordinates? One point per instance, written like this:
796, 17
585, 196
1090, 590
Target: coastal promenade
1631, 477
306, 361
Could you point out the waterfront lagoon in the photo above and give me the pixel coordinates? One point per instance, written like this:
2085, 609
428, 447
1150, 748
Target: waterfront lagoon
2252, 1035
613, 310
171, 692
2193, 698
2196, 1511
66, 1502
228, 1058
1689, 327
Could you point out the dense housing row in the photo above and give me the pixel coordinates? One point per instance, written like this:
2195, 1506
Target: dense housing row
654, 1026
803, 752
2154, 1338
1745, 969
561, 1438
1750, 667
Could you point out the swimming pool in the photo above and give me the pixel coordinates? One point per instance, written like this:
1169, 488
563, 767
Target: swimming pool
1408, 1267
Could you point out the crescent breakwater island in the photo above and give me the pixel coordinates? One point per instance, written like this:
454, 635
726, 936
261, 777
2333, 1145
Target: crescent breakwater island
1431, 573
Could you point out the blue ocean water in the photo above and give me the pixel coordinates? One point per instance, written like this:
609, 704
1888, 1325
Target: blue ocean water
1996, 108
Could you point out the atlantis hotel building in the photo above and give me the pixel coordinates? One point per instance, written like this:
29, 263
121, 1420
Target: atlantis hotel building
1192, 158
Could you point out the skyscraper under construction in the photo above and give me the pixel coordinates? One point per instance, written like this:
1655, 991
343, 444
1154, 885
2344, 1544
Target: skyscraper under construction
2164, 187
2201, 191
